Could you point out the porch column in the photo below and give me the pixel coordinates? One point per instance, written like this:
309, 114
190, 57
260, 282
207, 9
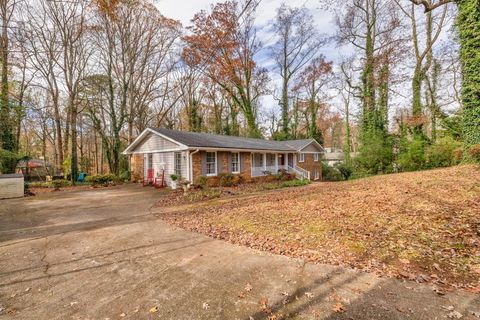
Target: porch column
285, 161
276, 162
265, 161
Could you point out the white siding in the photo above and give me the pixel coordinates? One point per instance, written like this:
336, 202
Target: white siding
166, 161
153, 142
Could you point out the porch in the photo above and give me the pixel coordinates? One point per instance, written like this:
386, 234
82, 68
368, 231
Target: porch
265, 163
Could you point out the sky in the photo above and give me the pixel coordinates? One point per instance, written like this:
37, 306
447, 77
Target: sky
184, 10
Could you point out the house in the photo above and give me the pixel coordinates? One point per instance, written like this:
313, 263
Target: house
333, 156
193, 154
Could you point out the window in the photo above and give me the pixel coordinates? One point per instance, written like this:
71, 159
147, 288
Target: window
315, 157
317, 175
150, 161
211, 163
302, 157
235, 162
178, 163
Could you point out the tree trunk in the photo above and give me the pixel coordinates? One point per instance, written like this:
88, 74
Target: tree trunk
469, 35
74, 156
285, 107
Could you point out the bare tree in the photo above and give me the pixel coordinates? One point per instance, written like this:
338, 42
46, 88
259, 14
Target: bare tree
69, 19
298, 42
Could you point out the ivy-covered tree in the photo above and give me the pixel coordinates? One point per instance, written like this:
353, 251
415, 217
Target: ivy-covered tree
468, 25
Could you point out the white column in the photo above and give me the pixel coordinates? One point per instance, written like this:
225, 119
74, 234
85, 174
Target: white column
276, 162
265, 161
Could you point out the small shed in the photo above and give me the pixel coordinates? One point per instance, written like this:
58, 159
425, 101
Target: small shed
11, 186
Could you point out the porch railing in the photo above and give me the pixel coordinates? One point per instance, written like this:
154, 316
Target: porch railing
263, 171
300, 172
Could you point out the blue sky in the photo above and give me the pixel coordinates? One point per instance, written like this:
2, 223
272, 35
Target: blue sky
184, 11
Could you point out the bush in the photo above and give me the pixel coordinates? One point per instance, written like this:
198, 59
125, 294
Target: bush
238, 179
125, 176
458, 155
174, 177
201, 182
375, 154
284, 175
57, 184
330, 173
474, 152
412, 157
103, 179
226, 180
442, 153
8, 161
295, 183
344, 169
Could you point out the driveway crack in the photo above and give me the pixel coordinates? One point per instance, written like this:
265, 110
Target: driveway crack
43, 259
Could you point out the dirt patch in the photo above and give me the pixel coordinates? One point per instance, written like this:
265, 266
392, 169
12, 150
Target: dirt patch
423, 226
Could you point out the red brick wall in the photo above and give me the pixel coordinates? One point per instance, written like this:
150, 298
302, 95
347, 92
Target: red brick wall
222, 156
136, 166
310, 165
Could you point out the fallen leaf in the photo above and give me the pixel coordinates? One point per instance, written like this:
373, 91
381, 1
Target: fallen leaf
439, 292
309, 295
123, 314
339, 308
399, 309
248, 287
454, 315
205, 306
153, 309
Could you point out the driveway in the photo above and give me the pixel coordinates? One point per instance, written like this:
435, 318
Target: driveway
103, 254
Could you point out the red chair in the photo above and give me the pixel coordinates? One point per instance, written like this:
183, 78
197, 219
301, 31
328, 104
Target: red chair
150, 178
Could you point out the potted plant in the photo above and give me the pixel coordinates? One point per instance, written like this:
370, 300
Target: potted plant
174, 177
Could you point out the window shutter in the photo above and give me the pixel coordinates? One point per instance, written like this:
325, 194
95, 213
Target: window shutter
229, 162
243, 159
219, 162
204, 163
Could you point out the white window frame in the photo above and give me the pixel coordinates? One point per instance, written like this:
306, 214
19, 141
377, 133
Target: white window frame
315, 157
215, 164
179, 154
301, 157
238, 162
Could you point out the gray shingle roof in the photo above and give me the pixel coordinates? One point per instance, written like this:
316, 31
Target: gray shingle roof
208, 140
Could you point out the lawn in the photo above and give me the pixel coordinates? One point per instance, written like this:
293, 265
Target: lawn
423, 226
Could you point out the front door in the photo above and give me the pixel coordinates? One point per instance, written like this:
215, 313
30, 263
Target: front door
281, 160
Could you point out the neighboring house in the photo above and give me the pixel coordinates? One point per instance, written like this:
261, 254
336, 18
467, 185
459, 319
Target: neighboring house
333, 156
192, 154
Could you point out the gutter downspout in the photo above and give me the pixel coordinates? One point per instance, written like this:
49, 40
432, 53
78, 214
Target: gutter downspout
191, 165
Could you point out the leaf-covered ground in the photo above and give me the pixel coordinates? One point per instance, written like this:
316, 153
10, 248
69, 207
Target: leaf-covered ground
424, 226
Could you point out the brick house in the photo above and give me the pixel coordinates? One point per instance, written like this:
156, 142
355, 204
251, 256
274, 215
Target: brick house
193, 154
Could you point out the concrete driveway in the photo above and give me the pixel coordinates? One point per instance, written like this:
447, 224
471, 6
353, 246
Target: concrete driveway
102, 254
